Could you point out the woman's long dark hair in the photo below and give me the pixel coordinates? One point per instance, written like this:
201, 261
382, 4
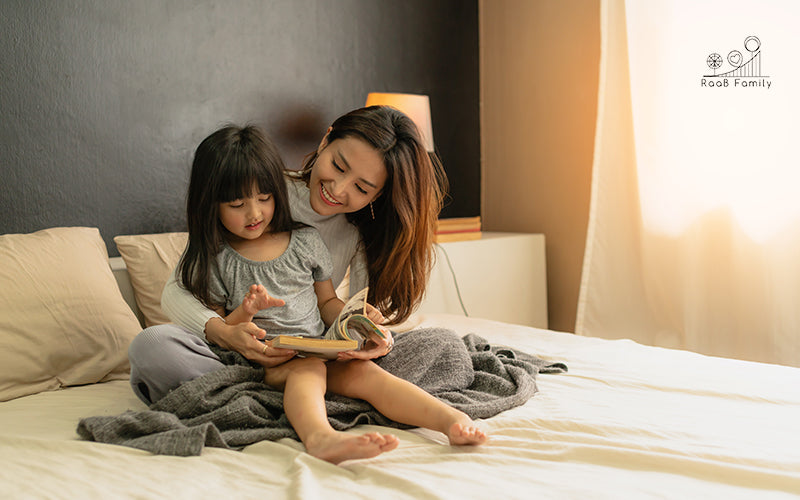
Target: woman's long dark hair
398, 242
227, 166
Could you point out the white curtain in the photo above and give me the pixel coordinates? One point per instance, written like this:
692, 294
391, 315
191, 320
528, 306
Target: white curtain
694, 231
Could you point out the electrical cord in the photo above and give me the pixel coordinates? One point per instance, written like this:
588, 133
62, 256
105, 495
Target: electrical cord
455, 279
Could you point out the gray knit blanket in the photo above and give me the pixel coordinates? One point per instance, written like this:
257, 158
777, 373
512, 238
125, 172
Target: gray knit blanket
232, 407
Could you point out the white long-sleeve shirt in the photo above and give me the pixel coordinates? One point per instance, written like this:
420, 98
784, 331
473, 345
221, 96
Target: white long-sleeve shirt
340, 236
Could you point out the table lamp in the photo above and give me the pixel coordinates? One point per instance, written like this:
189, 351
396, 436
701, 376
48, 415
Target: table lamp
415, 106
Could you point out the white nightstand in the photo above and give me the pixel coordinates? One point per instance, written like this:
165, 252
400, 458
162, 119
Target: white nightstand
502, 277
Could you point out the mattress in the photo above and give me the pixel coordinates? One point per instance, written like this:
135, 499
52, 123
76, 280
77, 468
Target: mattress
626, 421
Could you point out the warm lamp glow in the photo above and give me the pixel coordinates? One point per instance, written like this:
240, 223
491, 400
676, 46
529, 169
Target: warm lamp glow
417, 107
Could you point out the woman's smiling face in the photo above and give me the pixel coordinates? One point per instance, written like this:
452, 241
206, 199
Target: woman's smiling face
347, 175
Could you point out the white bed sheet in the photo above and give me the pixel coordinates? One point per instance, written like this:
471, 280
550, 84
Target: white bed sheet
627, 421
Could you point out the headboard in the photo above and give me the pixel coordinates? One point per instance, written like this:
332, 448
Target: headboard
124, 282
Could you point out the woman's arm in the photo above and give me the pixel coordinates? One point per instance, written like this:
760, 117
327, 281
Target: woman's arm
184, 309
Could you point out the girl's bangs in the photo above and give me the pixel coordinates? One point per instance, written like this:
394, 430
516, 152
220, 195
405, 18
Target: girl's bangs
240, 176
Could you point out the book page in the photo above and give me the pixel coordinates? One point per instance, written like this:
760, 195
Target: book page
362, 326
355, 305
352, 322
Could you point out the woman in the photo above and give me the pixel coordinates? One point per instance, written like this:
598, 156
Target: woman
374, 194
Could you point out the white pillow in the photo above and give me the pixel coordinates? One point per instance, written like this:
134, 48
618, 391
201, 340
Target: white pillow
63, 320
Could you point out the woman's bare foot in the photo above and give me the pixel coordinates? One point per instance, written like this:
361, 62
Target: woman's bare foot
337, 447
466, 433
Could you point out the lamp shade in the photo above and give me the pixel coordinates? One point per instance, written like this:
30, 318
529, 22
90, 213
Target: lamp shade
415, 106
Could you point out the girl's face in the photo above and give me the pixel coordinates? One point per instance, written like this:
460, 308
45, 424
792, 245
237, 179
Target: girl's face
248, 218
347, 175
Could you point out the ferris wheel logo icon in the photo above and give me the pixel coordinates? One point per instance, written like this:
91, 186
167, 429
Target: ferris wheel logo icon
738, 66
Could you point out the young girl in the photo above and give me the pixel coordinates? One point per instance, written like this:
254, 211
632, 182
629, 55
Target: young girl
243, 244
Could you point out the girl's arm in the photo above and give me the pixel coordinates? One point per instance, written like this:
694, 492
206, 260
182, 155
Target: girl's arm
184, 309
255, 300
329, 304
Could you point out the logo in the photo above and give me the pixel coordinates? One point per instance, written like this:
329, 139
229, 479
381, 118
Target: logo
742, 70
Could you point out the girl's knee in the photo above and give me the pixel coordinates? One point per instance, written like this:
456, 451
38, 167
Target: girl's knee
277, 376
361, 368
311, 364
353, 378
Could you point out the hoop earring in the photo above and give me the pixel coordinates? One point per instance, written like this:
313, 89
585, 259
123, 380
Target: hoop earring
371, 211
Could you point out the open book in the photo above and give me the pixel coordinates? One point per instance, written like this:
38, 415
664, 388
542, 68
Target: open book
351, 329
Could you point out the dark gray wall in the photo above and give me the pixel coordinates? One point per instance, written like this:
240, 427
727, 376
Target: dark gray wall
104, 101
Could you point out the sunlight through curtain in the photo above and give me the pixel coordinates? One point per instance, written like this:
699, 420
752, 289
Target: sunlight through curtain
694, 232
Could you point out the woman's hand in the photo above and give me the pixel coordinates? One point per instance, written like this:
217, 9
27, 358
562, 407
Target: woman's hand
245, 338
374, 314
375, 347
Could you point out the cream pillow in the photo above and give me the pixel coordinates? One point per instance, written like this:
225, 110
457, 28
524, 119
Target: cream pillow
63, 320
150, 259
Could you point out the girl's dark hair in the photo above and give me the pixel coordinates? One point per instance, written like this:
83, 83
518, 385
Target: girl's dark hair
227, 166
398, 242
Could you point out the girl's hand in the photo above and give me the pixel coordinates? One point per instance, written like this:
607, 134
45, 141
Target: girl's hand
257, 299
374, 314
375, 347
244, 338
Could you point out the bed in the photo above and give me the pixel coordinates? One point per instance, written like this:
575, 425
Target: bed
626, 420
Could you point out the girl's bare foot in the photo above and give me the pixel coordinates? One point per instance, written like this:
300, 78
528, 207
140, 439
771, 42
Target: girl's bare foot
337, 447
466, 433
